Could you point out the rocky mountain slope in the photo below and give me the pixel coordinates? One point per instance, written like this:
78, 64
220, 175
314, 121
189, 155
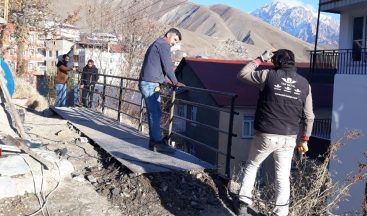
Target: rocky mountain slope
217, 31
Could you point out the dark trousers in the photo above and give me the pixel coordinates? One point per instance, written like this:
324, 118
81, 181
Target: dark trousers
87, 95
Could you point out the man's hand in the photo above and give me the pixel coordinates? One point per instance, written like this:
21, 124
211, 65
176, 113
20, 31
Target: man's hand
302, 147
266, 56
180, 84
169, 82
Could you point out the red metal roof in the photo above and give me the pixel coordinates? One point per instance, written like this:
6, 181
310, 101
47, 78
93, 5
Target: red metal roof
221, 75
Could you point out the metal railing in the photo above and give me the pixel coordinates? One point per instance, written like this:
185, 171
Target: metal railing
342, 61
322, 128
122, 96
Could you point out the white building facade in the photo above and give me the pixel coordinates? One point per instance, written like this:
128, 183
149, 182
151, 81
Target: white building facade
350, 95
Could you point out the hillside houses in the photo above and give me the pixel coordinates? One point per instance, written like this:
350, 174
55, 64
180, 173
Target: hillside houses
42, 51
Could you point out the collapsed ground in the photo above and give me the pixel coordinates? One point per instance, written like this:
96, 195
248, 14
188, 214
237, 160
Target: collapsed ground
99, 184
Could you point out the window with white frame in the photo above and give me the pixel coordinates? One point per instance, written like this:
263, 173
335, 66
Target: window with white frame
12, 51
31, 52
30, 66
12, 37
248, 126
180, 124
359, 38
32, 37
193, 114
182, 110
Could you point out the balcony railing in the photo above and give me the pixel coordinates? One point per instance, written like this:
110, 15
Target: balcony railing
323, 2
338, 6
342, 61
322, 128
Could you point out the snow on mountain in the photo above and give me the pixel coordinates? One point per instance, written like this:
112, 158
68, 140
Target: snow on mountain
299, 20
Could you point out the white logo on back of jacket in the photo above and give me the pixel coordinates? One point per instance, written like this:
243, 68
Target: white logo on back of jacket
277, 87
288, 89
297, 92
289, 80
288, 86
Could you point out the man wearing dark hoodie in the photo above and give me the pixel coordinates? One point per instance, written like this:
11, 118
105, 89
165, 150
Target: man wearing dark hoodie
88, 81
285, 99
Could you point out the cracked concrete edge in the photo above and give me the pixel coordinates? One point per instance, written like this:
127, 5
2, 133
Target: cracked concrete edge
24, 183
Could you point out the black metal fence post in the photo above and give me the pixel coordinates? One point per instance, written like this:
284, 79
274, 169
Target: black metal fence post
120, 99
172, 109
230, 135
104, 94
79, 90
140, 127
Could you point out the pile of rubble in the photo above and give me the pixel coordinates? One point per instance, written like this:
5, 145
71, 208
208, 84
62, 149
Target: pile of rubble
184, 193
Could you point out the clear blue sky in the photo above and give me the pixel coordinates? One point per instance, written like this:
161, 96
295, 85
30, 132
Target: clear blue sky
251, 5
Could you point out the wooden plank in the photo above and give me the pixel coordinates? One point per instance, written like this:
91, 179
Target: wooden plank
19, 143
13, 111
10, 148
127, 145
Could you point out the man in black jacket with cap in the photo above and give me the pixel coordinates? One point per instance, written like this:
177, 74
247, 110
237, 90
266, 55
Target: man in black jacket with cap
285, 100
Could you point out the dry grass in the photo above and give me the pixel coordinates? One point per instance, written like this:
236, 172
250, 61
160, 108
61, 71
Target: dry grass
24, 90
313, 191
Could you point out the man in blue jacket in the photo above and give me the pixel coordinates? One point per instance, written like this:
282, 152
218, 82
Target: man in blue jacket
157, 69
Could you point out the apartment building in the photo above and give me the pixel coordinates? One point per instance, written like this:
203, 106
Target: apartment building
349, 63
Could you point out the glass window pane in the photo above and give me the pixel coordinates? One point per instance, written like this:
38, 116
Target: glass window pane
365, 39
246, 129
248, 122
357, 38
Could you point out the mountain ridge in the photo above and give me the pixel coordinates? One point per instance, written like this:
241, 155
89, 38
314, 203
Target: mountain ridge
218, 31
299, 21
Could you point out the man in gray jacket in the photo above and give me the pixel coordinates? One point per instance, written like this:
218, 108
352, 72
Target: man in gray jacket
285, 99
157, 69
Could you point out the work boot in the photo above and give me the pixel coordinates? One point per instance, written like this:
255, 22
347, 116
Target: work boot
243, 209
151, 144
163, 148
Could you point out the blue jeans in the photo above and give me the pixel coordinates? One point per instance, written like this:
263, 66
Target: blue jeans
152, 100
61, 95
75, 95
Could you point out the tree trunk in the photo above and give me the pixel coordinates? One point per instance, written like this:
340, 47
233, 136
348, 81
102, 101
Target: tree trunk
22, 37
